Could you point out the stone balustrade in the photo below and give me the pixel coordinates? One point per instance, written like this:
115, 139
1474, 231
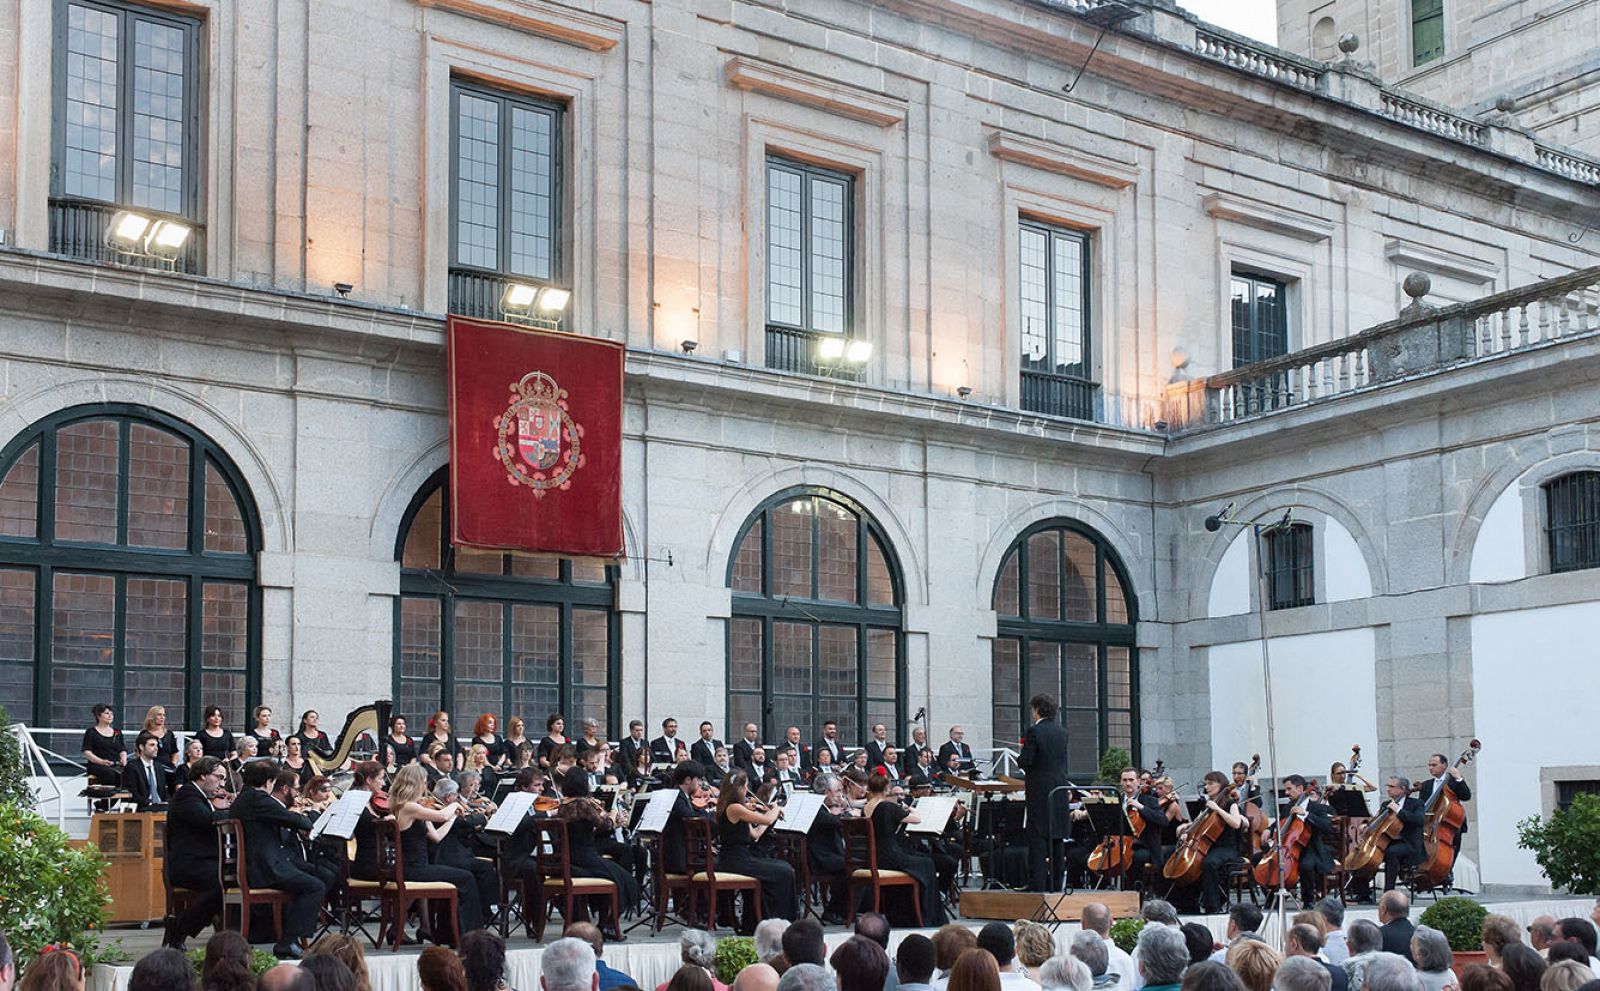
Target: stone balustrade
1262, 60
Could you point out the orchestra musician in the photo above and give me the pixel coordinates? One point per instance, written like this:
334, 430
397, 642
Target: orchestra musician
887, 816
312, 739
1444, 775
830, 743
1338, 777
687, 778
422, 824
877, 744
369, 776
744, 750
191, 843
1316, 860
453, 849
398, 750
1406, 849
1044, 762
273, 859
1083, 837
1147, 846
825, 844
589, 829
286, 792
192, 752
665, 746
479, 762
516, 850
244, 753
1225, 853
142, 777
555, 728
704, 751
956, 745
1245, 786
1173, 813
296, 761
740, 822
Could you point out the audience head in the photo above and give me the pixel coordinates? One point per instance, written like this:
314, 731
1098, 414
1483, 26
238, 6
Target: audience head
756, 977
1255, 962
346, 949
690, 978
1034, 943
1480, 977
806, 977
1391, 972
1332, 910
874, 926
1302, 974
695, 946
1563, 975
1577, 930
1208, 975
1363, 936
1159, 910
860, 964
1430, 949
1096, 918
440, 970
1244, 917
1524, 966
589, 933
1540, 930
1302, 941
769, 938
949, 942
914, 959
1394, 905
288, 977
483, 957
59, 969
1198, 939
974, 970
1563, 949
1498, 933
802, 943
997, 939
568, 965
227, 963
1064, 973
1163, 953
1091, 949
330, 973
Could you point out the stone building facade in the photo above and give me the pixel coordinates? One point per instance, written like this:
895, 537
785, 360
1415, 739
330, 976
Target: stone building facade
233, 492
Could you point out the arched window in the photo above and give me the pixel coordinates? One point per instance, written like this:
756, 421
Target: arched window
127, 571
1066, 628
507, 634
815, 633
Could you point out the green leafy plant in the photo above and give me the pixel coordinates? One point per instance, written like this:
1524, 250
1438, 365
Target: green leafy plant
1567, 847
1461, 921
1112, 762
14, 788
52, 892
1125, 932
260, 960
734, 954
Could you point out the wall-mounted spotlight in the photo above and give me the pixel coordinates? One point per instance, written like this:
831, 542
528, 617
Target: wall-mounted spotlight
964, 391
344, 289
141, 236
534, 305
688, 346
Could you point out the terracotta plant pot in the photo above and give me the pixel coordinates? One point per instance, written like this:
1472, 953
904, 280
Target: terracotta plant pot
1466, 958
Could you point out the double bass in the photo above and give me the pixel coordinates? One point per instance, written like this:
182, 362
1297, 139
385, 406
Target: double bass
1441, 829
1366, 855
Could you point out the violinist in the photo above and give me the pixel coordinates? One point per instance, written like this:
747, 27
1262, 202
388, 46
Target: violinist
1406, 849
825, 845
1224, 854
739, 823
314, 797
589, 838
687, 778
516, 850
887, 816
1316, 859
369, 777
562, 759
1338, 777
454, 848
422, 824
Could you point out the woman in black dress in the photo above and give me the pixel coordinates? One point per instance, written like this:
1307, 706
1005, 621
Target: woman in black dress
421, 826
739, 824
511, 743
369, 777
589, 737
296, 761
886, 816
483, 731
1222, 802
214, 740
554, 727
104, 749
155, 723
261, 728
312, 739
401, 751
439, 734
588, 826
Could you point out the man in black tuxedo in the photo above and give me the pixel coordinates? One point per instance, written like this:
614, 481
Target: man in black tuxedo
1406, 849
628, 750
1444, 777
825, 848
802, 753
747, 745
954, 745
686, 778
830, 743
191, 844
1147, 845
704, 751
1394, 921
876, 745
911, 757
1316, 859
664, 748
142, 777
1044, 761
516, 850
270, 860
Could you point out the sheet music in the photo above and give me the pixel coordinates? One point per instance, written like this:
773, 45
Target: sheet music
511, 812
341, 818
657, 810
800, 812
935, 812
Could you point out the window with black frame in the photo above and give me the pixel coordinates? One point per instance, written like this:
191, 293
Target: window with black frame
1067, 624
815, 632
1572, 521
1259, 306
507, 634
128, 547
1054, 289
506, 162
125, 172
1291, 574
1427, 31
810, 234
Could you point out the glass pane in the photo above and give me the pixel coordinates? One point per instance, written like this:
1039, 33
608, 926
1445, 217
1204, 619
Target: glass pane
1116, 599
791, 711
423, 540
747, 708
1007, 726
783, 246
1005, 669
747, 561
847, 714
158, 488
591, 703
529, 566
533, 703
1271, 339
879, 711
882, 663
476, 697
590, 637
1243, 325
19, 496
1083, 740
536, 647
18, 604
477, 181
224, 649
82, 619
589, 570
469, 561
90, 166
417, 701
225, 532
880, 583
1119, 730
1080, 580
1044, 669
74, 689
156, 625
744, 655
158, 92
1067, 258
477, 644
532, 193
829, 232
1007, 586
791, 658
1044, 575
1119, 678
420, 639
1082, 662
836, 552
792, 563
838, 672
1033, 280
86, 482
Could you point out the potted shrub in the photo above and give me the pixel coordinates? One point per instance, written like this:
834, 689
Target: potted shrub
1125, 933
1461, 921
734, 953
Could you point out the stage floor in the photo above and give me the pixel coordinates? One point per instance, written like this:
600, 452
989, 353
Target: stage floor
651, 959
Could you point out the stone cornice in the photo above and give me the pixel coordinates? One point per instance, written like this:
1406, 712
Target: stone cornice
803, 88
1406, 253
1062, 159
547, 20
1300, 226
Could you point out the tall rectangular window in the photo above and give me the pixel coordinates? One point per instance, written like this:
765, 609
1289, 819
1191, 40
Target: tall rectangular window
1260, 322
505, 195
810, 233
1427, 30
1053, 307
126, 121
1291, 575
1572, 515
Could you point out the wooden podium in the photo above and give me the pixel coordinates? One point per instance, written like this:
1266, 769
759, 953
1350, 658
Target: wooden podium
134, 845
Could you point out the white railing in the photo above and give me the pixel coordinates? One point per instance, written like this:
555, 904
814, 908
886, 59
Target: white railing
36, 765
1569, 165
1426, 118
1261, 61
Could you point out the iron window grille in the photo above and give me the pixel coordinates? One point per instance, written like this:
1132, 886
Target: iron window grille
1572, 514
1290, 567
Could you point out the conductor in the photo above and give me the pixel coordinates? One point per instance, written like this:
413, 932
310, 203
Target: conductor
1044, 761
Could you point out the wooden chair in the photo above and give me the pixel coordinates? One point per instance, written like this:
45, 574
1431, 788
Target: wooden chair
351, 896
668, 885
404, 894
861, 865
703, 876
234, 876
178, 899
553, 882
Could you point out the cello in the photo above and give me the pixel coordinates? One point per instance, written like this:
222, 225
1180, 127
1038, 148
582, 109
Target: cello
1114, 854
1291, 843
1441, 829
1187, 861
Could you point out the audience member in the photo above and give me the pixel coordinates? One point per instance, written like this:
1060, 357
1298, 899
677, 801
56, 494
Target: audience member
802, 943
689, 978
1303, 973
1088, 949
227, 963
288, 977
165, 969
1499, 932
974, 970
347, 950
1480, 977
568, 965
949, 942
806, 977
440, 970
483, 959
1365, 941
757, 977
997, 939
1524, 965
1561, 949
610, 977
1208, 975
914, 961
1035, 945
1565, 975
1582, 932
1065, 973
1254, 961
330, 973
1097, 919
1540, 930
1391, 972
1334, 947
1394, 910
1198, 938
1159, 910
1244, 919
1305, 940
860, 964
1431, 951
769, 939
56, 968
698, 948
875, 926
1162, 955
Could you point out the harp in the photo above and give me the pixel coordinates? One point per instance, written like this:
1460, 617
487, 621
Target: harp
367, 719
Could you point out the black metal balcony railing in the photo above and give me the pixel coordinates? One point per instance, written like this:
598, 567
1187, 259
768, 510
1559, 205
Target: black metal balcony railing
792, 350
476, 294
1058, 395
78, 229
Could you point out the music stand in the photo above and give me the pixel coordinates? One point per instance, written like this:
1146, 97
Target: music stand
1349, 802
1108, 820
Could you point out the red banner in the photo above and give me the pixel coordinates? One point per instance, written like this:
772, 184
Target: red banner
535, 440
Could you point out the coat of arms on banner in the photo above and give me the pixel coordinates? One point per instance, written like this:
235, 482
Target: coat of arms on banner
538, 442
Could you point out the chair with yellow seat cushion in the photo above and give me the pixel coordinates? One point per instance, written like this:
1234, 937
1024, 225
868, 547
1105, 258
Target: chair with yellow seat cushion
862, 871
552, 882
236, 889
430, 894
704, 878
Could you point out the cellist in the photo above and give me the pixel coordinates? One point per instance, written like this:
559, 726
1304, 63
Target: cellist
1406, 849
1147, 847
1224, 854
1316, 859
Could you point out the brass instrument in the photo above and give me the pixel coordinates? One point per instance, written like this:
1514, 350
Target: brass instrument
373, 719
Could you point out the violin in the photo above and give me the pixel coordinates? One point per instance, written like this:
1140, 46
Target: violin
546, 803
